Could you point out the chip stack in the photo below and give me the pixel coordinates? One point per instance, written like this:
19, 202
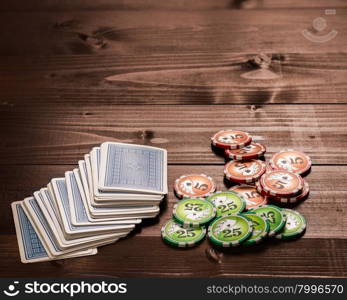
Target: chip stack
278, 181
192, 213
243, 215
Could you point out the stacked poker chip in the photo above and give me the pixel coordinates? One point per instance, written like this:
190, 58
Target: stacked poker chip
280, 180
224, 217
252, 209
187, 227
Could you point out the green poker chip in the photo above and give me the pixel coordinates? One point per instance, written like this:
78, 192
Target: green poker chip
230, 231
295, 225
274, 215
261, 228
192, 213
227, 203
176, 235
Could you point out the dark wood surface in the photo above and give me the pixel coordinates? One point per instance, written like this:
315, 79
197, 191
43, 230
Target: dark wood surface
170, 74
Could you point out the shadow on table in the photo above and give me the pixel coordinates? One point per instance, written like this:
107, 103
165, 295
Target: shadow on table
151, 221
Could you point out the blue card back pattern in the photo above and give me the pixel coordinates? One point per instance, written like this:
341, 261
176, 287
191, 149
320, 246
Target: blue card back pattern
133, 167
62, 190
32, 245
80, 210
44, 223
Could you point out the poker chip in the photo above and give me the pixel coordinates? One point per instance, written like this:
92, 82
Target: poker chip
252, 151
194, 186
260, 190
281, 183
268, 167
244, 171
274, 215
300, 197
240, 216
295, 225
194, 212
250, 194
292, 161
230, 231
227, 203
231, 139
176, 235
261, 228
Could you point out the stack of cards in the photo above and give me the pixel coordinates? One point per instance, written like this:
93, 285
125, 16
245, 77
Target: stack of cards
112, 189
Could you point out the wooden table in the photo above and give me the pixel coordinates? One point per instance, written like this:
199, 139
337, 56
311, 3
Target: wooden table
74, 74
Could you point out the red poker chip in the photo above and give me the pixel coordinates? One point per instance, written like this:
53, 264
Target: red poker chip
231, 139
281, 183
292, 161
244, 171
251, 151
287, 200
194, 186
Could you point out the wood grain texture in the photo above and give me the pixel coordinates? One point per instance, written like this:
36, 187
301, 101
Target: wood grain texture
170, 56
61, 134
74, 74
145, 256
324, 209
185, 78
179, 5
321, 252
138, 32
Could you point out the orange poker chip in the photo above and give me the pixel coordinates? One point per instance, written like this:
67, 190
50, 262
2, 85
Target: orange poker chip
251, 151
244, 171
259, 188
231, 139
286, 200
281, 183
194, 186
268, 167
291, 160
252, 197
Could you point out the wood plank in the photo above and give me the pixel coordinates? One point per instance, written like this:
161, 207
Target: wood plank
17, 5
66, 75
167, 32
325, 209
302, 258
172, 60
62, 134
208, 77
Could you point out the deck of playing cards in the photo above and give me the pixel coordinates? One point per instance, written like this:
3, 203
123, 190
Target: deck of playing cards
100, 201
